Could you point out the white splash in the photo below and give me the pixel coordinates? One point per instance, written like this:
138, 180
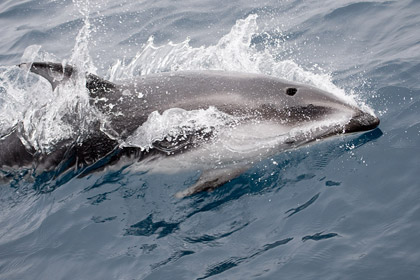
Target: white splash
178, 123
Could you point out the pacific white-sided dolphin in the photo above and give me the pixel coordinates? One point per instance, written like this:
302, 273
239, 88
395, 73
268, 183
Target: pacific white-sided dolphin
264, 108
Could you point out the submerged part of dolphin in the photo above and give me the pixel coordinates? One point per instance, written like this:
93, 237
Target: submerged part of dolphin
260, 116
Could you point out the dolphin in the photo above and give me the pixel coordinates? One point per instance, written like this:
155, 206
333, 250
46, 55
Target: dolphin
269, 115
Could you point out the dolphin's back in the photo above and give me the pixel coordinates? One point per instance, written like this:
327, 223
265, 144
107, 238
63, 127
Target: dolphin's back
237, 94
234, 93
192, 89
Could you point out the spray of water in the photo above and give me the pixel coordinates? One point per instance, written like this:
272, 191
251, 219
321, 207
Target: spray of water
45, 117
178, 123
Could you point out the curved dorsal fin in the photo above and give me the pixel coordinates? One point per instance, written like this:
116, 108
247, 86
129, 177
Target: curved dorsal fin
57, 73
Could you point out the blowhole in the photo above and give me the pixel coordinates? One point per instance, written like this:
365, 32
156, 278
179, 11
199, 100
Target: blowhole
291, 91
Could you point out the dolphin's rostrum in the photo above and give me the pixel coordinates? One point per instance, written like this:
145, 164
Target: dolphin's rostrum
265, 109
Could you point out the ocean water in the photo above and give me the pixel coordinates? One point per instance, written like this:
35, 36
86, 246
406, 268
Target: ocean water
343, 208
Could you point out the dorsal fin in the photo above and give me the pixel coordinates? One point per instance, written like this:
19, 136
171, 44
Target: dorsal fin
57, 73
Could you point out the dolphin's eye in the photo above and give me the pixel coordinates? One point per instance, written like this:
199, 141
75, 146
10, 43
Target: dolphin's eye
291, 91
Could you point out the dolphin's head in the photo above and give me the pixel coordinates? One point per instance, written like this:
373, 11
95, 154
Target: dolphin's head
315, 104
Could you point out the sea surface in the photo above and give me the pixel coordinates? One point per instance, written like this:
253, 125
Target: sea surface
343, 208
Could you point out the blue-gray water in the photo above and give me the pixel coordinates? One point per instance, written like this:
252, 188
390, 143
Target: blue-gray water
346, 208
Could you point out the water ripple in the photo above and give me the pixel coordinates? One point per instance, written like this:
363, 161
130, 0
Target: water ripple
303, 206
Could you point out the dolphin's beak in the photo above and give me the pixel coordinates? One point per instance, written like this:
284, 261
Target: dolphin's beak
362, 121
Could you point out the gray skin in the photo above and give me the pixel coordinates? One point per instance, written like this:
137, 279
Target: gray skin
250, 96
237, 94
